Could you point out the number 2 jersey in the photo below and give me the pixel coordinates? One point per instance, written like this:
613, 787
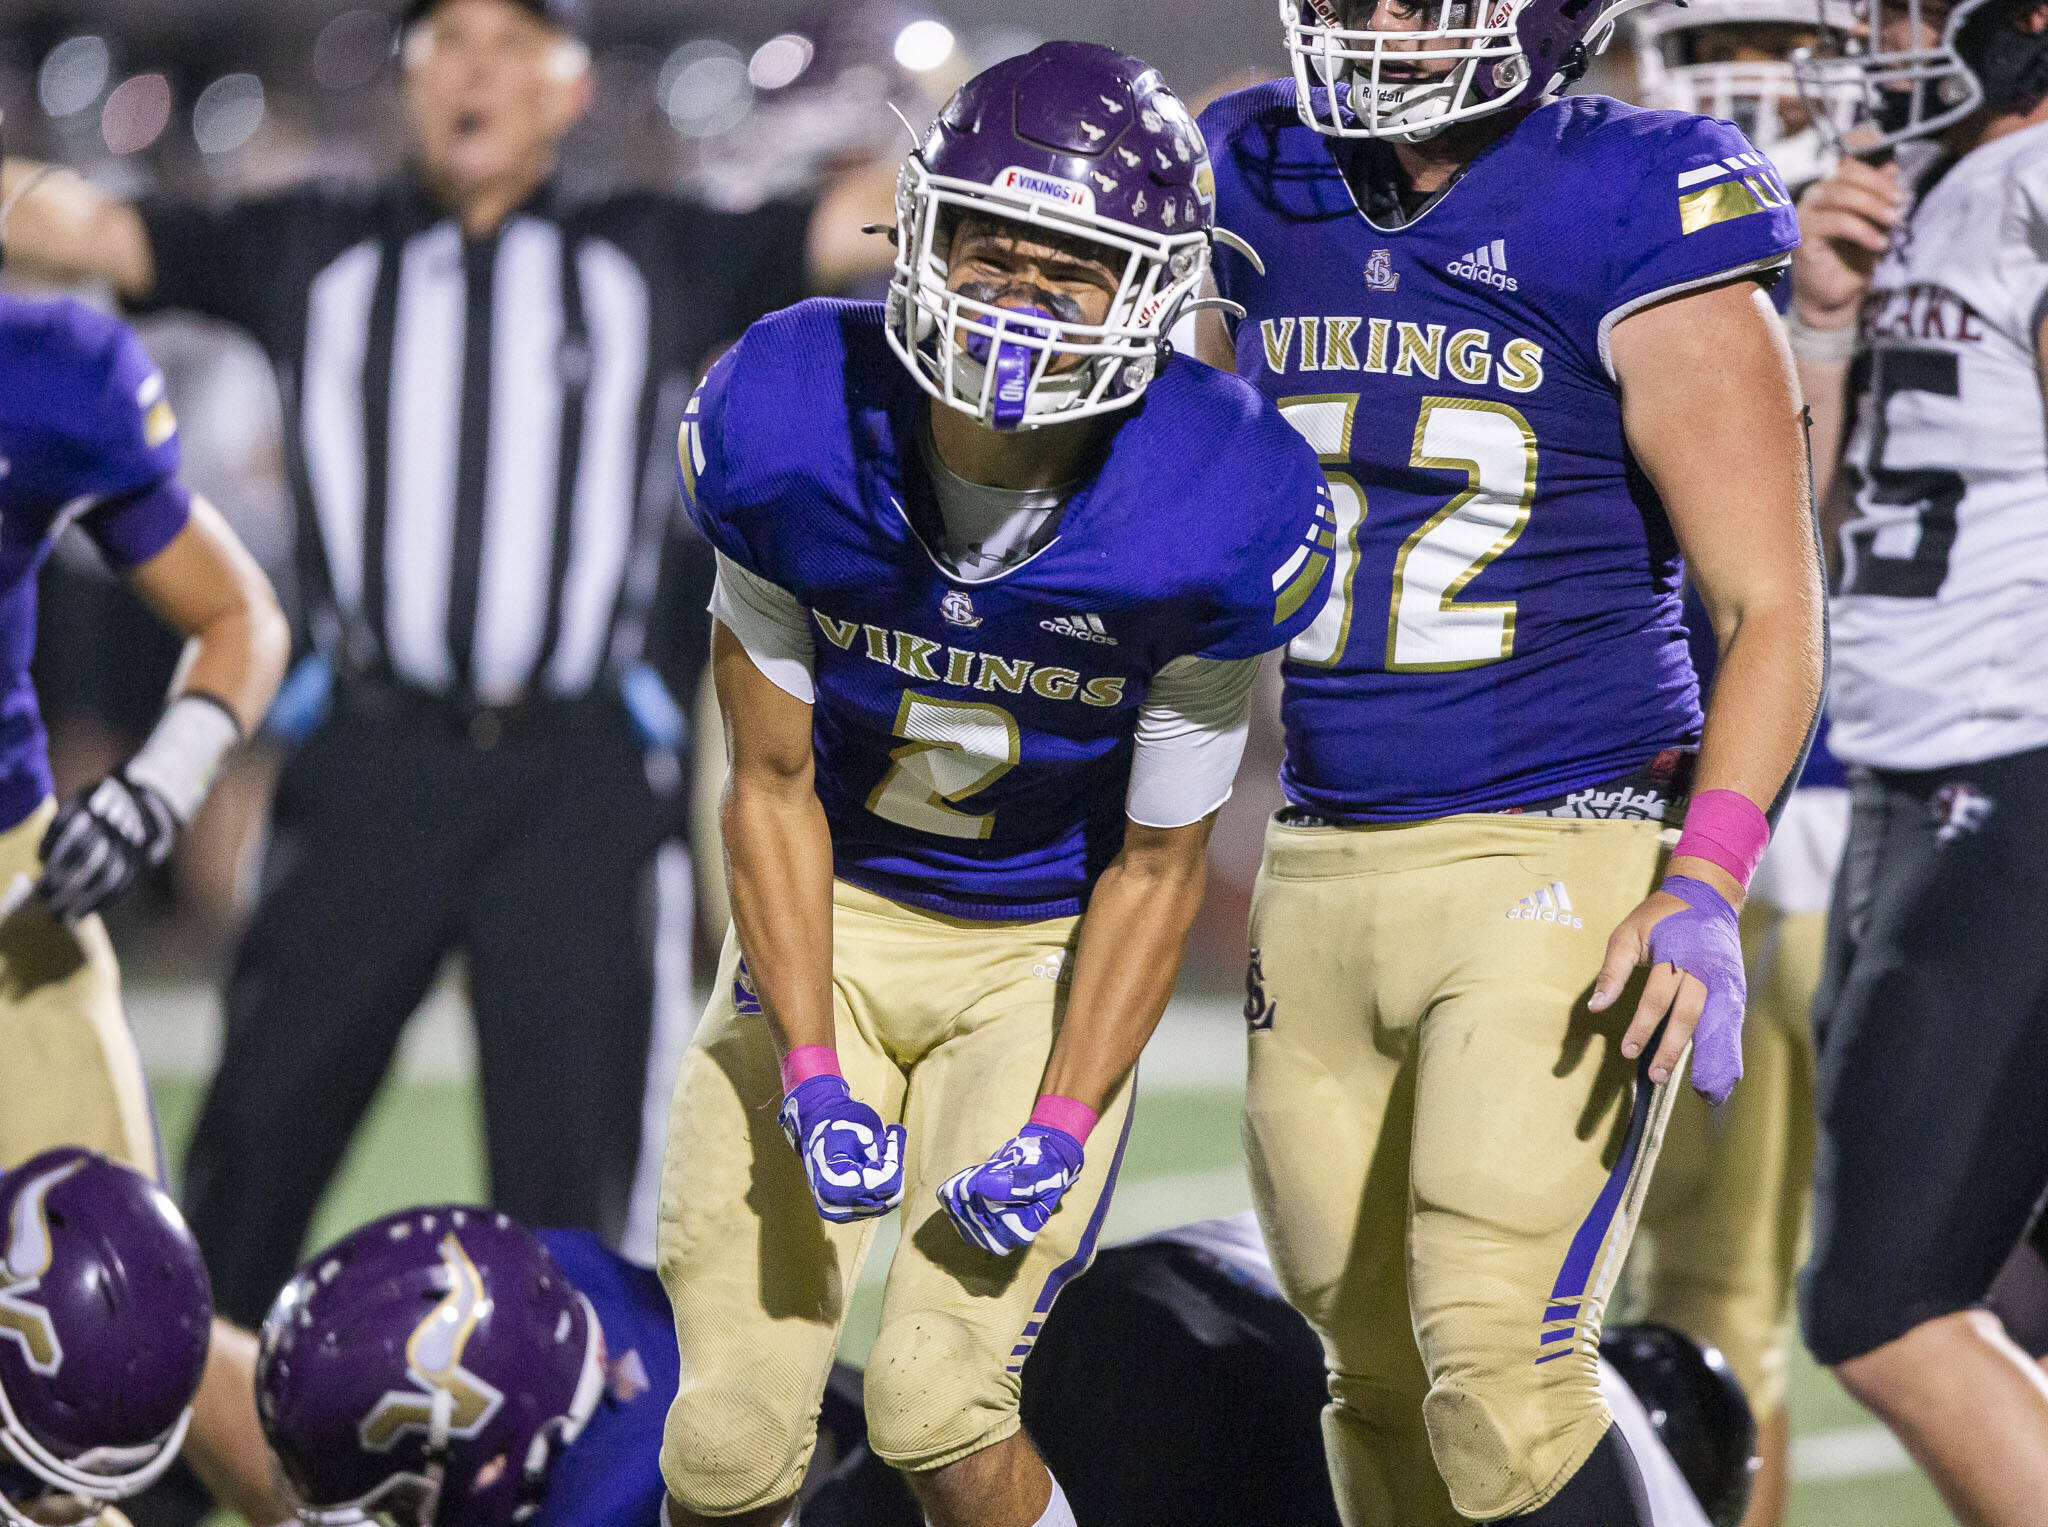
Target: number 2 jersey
1940, 614
974, 737
1506, 626
85, 435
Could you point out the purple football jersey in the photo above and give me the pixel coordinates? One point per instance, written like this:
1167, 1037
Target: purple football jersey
974, 737
1506, 624
85, 433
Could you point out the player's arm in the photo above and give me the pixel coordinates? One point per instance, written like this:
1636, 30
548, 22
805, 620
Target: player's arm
778, 856
1846, 222
66, 227
207, 587
778, 848
1191, 737
225, 1445
1711, 409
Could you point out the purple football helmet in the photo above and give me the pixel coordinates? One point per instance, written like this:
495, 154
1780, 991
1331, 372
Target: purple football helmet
105, 1318
1076, 140
1357, 81
428, 1368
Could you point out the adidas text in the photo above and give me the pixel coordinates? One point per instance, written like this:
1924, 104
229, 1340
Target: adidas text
1085, 628
1549, 905
1488, 265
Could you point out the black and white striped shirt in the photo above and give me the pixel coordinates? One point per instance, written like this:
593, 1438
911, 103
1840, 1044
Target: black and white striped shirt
480, 430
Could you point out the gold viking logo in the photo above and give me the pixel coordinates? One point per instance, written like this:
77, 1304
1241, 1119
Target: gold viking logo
29, 1251
433, 1357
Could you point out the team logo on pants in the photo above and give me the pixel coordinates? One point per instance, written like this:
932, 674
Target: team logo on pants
1957, 809
1259, 1012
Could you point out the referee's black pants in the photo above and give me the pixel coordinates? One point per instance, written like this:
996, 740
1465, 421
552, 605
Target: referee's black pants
402, 831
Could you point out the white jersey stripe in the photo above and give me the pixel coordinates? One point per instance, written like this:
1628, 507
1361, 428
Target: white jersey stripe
616, 303
426, 405
526, 423
331, 411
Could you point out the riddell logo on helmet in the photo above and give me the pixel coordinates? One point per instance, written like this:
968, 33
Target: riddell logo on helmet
1069, 193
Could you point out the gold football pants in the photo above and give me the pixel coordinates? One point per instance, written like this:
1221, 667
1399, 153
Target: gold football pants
1724, 1226
68, 1063
1447, 1149
944, 1026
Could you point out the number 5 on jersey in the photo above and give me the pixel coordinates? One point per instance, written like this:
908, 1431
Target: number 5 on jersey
954, 749
1429, 630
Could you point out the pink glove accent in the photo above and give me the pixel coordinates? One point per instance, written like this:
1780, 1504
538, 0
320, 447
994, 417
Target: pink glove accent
805, 1062
1056, 1112
1727, 828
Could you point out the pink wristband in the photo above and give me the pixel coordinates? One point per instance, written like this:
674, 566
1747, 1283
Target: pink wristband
807, 1061
1727, 828
1056, 1112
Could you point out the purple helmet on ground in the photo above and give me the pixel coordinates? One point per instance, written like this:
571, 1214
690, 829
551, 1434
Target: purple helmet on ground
1357, 81
1078, 141
105, 1317
428, 1368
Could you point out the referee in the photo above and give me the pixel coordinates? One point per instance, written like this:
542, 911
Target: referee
481, 382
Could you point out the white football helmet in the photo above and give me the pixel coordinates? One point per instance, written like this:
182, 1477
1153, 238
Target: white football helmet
1684, 63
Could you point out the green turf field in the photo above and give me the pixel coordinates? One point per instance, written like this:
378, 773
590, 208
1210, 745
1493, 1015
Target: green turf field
1184, 1162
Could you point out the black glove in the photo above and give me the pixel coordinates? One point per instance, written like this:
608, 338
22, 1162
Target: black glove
101, 843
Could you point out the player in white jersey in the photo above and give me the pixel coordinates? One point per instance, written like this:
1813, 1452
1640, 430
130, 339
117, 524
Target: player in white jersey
1921, 297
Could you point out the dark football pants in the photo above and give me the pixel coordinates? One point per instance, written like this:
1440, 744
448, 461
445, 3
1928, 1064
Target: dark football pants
398, 835
1932, 1028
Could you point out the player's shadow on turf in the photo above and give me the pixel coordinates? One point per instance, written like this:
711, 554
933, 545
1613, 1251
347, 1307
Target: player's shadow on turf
1614, 1082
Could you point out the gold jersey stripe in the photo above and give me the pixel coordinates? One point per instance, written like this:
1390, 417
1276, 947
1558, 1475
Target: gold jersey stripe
1726, 201
1296, 593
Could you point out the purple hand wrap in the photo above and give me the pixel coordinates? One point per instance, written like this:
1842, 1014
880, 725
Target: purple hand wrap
1703, 941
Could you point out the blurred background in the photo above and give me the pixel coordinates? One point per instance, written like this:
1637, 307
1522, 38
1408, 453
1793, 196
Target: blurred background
737, 105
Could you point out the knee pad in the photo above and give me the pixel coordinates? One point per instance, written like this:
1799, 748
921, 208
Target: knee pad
933, 1393
726, 1450
1380, 1458
1506, 1453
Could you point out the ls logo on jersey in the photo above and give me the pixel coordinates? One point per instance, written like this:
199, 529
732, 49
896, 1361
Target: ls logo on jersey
958, 610
29, 1250
433, 1356
1380, 275
1259, 1012
745, 998
1728, 189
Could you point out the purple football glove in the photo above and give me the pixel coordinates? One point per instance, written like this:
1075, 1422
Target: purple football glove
1002, 1204
1703, 942
854, 1161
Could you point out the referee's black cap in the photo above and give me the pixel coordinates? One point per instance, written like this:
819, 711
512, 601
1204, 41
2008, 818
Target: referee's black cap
568, 16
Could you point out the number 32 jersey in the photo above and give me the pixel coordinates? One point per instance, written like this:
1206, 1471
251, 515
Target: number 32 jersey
1940, 614
1506, 625
974, 738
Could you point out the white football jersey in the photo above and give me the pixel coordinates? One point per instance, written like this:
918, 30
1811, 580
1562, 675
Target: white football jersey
1940, 617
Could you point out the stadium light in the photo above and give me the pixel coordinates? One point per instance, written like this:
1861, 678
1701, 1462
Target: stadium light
136, 114
704, 88
351, 49
227, 113
73, 75
780, 61
924, 45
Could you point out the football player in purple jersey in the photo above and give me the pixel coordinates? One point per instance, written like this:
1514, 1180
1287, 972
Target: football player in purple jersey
87, 436
1531, 338
985, 635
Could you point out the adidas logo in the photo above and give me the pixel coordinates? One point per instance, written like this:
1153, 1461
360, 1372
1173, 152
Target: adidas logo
1488, 265
1083, 628
1549, 905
